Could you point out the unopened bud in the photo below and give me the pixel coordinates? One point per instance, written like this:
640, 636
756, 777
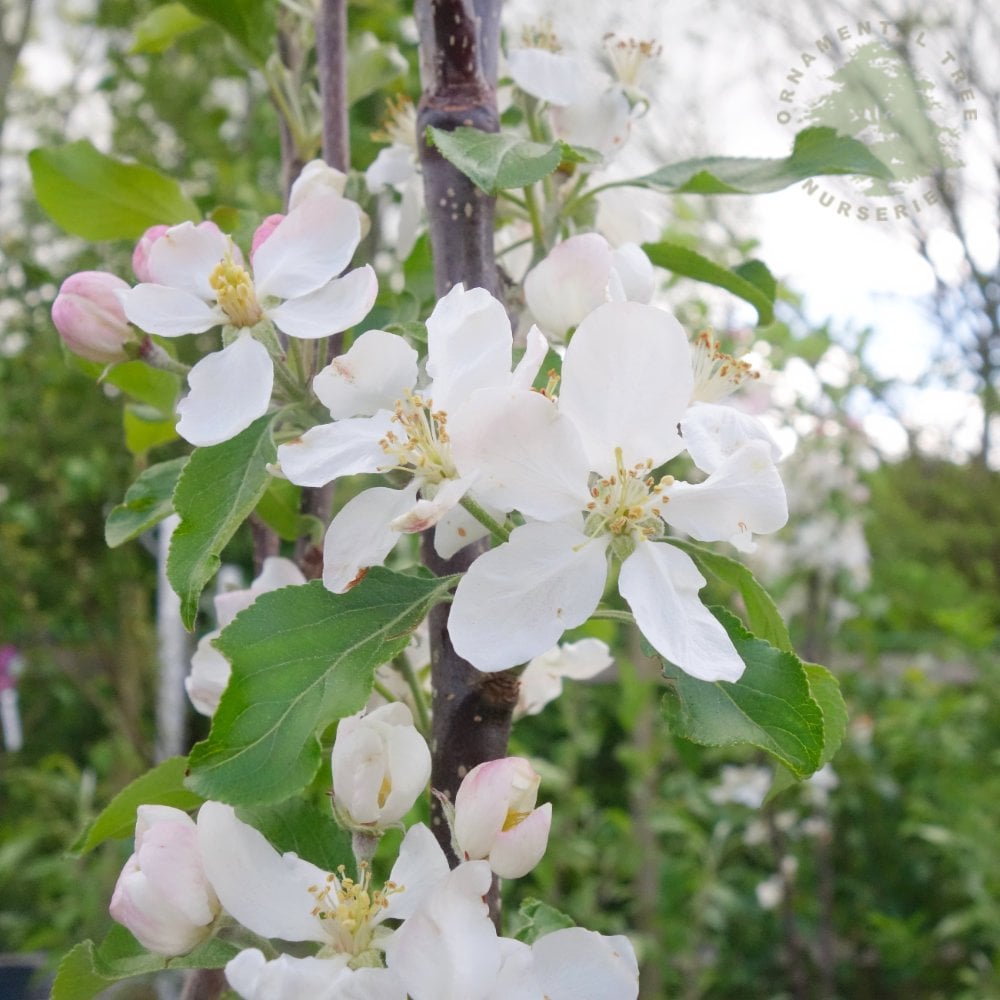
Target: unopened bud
88, 314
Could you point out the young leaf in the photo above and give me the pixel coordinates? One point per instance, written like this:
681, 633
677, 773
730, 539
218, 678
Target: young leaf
100, 198
279, 509
494, 161
163, 785
535, 919
249, 22
146, 428
162, 26
769, 707
147, 502
217, 491
151, 386
815, 152
302, 658
752, 281
763, 617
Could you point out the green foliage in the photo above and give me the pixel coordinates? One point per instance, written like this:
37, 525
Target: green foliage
535, 919
162, 26
251, 23
100, 198
147, 502
302, 658
305, 826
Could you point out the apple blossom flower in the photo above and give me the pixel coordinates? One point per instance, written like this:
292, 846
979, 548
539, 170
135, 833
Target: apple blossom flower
316, 177
286, 897
580, 274
381, 764
140, 255
88, 314
199, 282
541, 680
163, 895
746, 786
383, 422
496, 818
582, 473
253, 977
210, 670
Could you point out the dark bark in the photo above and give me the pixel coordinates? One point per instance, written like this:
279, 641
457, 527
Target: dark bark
204, 984
331, 60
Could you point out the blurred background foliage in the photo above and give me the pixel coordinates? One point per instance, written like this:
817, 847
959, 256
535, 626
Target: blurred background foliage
879, 879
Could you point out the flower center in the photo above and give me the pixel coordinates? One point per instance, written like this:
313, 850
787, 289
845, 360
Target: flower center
627, 505
540, 36
421, 445
235, 292
400, 125
348, 907
628, 57
716, 374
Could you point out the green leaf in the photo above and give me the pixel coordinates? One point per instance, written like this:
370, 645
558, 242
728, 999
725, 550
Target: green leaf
302, 658
494, 161
145, 428
249, 22
100, 198
147, 502
88, 969
763, 616
579, 154
216, 493
752, 281
815, 152
162, 26
374, 66
152, 386
826, 693
769, 707
305, 827
535, 919
279, 509
163, 785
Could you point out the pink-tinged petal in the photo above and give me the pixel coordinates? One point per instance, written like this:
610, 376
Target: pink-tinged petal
312, 244
169, 312
570, 283
517, 600
626, 382
140, 255
661, 585
265, 891
483, 801
458, 528
577, 964
712, 433
516, 851
169, 858
531, 361
360, 536
263, 232
185, 256
88, 314
229, 391
419, 869
743, 496
378, 369
549, 76
526, 454
469, 345
335, 306
345, 448
448, 949
426, 513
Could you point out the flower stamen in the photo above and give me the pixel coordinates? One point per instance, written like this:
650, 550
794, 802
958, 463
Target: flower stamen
235, 293
716, 374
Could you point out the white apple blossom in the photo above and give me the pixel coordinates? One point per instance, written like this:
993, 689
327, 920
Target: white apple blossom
381, 764
253, 977
163, 895
199, 282
541, 680
582, 473
496, 819
383, 422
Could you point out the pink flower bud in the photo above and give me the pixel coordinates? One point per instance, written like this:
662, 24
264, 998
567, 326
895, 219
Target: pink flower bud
162, 895
263, 231
496, 818
88, 314
140, 256
380, 765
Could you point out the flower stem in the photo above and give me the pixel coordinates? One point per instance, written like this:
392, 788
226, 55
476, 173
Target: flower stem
156, 357
402, 664
497, 530
613, 614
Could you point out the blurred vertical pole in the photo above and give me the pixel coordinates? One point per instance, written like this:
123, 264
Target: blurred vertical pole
174, 654
459, 47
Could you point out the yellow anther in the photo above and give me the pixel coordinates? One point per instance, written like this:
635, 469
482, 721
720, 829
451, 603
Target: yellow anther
235, 293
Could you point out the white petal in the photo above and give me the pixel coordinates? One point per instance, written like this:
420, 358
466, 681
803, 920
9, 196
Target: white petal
458, 528
743, 496
425, 513
316, 177
311, 245
333, 307
169, 312
541, 681
518, 850
577, 964
360, 535
712, 433
185, 256
600, 121
265, 891
531, 361
209, 675
517, 600
661, 585
626, 382
635, 272
419, 869
526, 454
285, 977
345, 448
549, 76
411, 214
229, 391
516, 979
468, 346
378, 369
393, 166
277, 572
